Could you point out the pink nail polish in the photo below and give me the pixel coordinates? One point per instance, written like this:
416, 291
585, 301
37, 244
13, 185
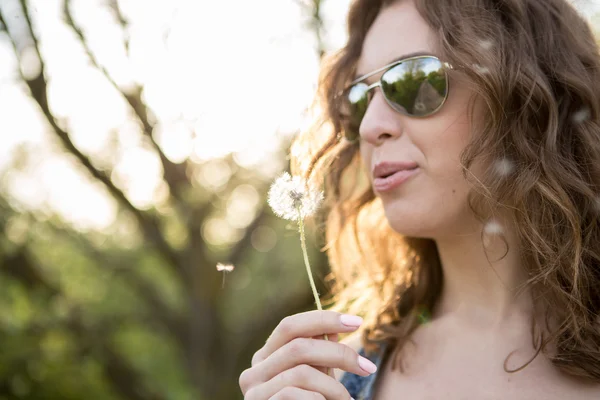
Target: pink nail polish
366, 365
351, 320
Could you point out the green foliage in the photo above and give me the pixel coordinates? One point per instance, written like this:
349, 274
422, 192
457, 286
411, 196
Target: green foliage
139, 311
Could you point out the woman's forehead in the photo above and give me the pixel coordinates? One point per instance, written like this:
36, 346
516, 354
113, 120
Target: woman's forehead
398, 30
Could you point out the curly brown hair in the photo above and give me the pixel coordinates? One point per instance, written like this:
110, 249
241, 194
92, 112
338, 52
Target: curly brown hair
541, 88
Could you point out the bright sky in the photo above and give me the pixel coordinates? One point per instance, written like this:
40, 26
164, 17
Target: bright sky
220, 76
225, 70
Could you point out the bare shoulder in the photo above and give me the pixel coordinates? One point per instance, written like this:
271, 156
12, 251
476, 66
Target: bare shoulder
354, 341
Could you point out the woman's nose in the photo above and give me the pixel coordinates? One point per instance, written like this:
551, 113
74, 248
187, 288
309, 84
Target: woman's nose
380, 121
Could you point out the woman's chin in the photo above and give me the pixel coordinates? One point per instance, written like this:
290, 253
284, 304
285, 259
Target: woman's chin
408, 228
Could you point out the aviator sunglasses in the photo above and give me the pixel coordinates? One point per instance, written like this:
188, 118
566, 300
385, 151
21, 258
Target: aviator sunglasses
414, 86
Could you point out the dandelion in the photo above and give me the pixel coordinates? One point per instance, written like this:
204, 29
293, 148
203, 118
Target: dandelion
291, 198
225, 268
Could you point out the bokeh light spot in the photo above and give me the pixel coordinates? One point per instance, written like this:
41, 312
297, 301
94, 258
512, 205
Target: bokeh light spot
263, 238
214, 174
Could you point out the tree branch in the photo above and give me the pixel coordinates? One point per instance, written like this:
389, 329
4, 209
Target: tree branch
174, 174
315, 22
38, 88
116, 7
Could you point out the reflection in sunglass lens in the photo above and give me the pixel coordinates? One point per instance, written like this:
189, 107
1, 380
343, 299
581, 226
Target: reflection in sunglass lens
416, 87
358, 100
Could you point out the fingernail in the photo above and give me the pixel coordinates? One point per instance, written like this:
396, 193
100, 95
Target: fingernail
366, 365
351, 320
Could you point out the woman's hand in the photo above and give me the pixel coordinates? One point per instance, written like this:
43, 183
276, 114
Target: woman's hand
293, 362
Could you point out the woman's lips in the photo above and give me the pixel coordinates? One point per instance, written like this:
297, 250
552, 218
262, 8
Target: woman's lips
393, 181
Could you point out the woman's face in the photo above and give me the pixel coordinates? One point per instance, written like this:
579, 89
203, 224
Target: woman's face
432, 202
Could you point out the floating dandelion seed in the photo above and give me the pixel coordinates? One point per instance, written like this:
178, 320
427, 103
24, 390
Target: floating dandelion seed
597, 203
480, 69
493, 228
486, 44
225, 268
581, 115
504, 167
289, 196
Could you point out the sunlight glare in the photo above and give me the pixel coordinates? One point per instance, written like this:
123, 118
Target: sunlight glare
242, 205
239, 80
139, 172
82, 203
175, 139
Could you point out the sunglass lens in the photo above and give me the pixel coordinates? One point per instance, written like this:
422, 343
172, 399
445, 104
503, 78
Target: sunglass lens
416, 87
357, 102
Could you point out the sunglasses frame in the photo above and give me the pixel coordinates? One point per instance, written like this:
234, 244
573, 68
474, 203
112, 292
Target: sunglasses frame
385, 69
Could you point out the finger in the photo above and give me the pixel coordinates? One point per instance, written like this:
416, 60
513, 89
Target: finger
317, 353
306, 324
292, 393
327, 371
300, 377
332, 337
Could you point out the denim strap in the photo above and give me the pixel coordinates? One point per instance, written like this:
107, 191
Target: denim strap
361, 387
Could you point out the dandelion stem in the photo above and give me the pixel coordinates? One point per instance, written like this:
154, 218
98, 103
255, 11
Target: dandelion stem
308, 270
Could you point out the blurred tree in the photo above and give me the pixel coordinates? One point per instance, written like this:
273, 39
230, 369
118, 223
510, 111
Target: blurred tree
82, 317
85, 315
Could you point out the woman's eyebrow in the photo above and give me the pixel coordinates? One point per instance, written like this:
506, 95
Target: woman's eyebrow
360, 76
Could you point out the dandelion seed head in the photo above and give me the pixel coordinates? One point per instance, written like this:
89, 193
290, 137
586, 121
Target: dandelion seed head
296, 198
504, 167
581, 115
225, 267
493, 228
289, 195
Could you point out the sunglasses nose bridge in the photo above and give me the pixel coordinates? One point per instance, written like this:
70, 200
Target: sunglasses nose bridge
374, 85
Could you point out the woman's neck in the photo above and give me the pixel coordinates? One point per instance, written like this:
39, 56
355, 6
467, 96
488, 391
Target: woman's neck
480, 292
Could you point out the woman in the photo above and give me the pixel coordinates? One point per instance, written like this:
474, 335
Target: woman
461, 159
